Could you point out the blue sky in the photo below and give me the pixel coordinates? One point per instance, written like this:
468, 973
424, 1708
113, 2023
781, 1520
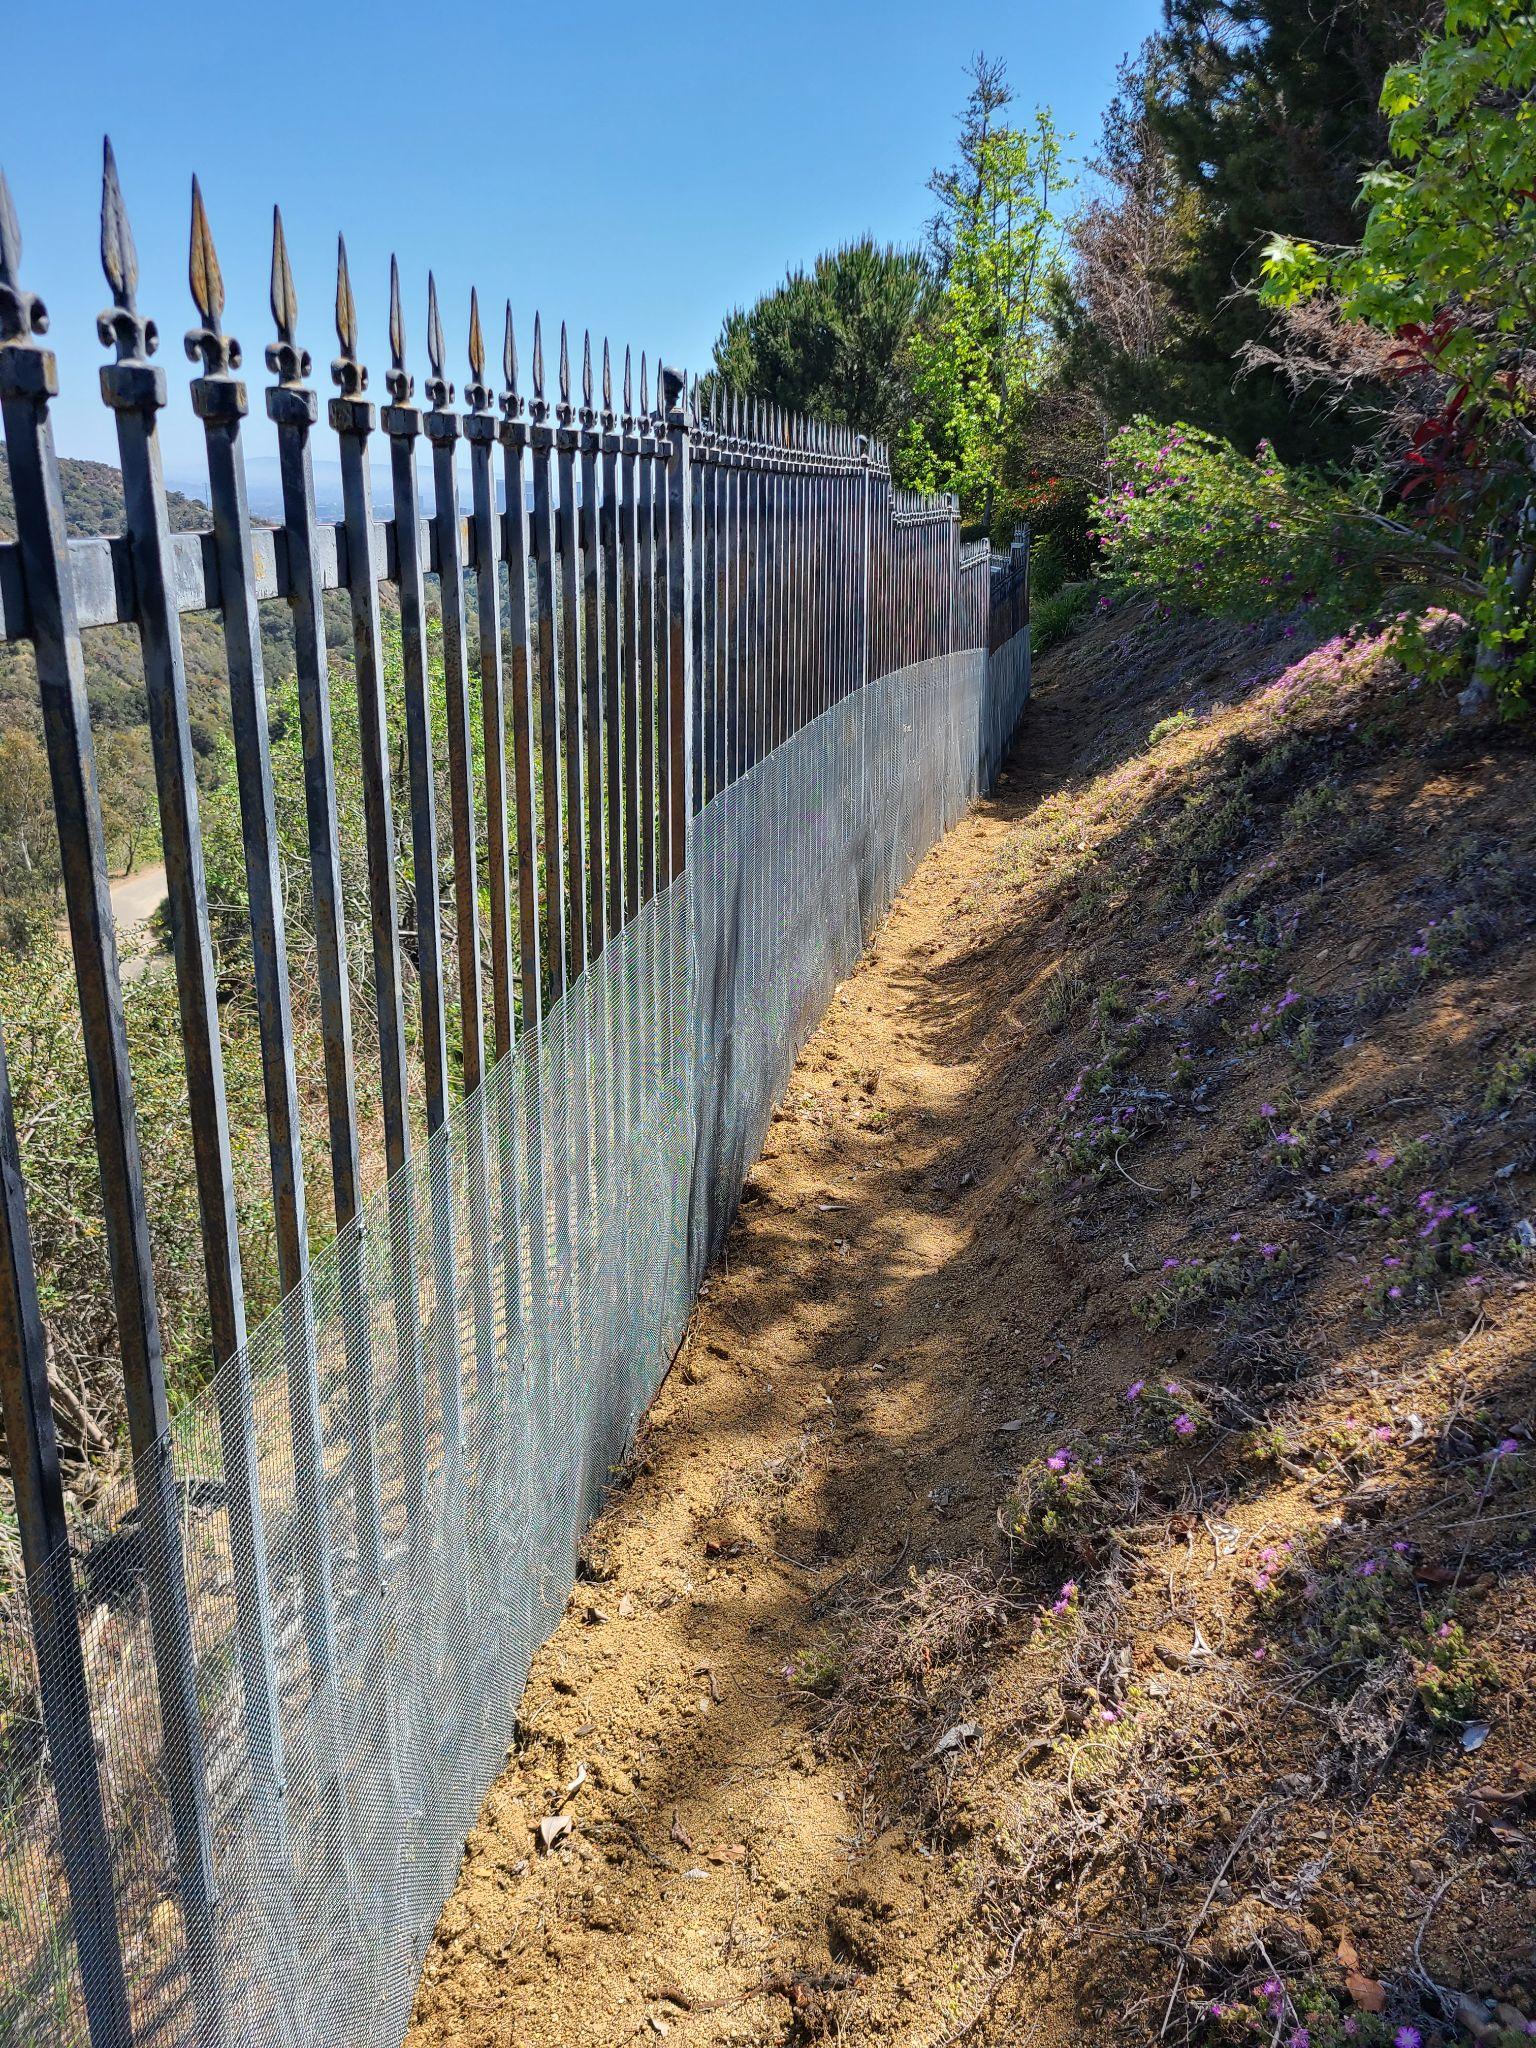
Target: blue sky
640, 169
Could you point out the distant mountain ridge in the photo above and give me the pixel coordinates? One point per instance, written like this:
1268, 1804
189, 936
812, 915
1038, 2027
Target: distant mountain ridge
93, 501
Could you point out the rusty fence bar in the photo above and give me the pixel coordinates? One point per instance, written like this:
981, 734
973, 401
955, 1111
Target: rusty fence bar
624, 620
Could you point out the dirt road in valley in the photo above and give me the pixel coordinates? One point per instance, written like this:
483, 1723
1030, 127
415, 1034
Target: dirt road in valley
135, 899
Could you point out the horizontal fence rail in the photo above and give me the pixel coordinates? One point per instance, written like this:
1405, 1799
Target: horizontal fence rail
709, 685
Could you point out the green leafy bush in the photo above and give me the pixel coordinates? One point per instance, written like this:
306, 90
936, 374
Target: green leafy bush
1185, 518
1052, 618
1447, 266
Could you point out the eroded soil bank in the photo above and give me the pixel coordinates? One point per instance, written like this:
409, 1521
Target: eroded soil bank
1075, 1581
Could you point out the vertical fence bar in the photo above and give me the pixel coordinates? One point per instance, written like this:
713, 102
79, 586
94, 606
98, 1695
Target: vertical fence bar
630, 551
402, 422
572, 757
37, 1489
136, 392
592, 569
514, 435
680, 614
218, 398
294, 409
28, 382
352, 418
480, 433
541, 437
611, 443
646, 706
442, 426
661, 712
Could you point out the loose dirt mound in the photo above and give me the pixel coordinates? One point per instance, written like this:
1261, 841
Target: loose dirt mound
1075, 1582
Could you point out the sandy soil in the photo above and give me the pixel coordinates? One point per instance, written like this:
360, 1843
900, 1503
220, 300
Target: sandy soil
841, 1762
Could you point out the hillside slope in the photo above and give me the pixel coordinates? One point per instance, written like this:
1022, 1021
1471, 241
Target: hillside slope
1075, 1583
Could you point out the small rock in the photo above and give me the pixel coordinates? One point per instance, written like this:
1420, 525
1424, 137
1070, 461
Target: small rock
959, 1737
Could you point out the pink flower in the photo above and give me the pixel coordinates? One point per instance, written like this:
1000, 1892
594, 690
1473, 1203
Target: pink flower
1135, 1390
1407, 2037
1184, 1425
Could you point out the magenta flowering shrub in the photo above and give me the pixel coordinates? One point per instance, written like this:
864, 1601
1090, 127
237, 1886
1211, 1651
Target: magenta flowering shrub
1167, 1407
1196, 1281
1063, 1500
1185, 518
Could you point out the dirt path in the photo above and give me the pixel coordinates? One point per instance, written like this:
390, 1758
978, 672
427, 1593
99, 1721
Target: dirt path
136, 897
1091, 1208
849, 1363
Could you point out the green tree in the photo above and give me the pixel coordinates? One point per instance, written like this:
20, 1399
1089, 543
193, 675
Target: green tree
1270, 112
995, 240
828, 341
1447, 263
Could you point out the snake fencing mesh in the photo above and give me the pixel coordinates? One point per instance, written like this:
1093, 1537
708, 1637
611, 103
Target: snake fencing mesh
478, 1346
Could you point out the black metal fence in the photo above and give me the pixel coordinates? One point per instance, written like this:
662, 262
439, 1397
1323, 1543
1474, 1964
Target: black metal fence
667, 584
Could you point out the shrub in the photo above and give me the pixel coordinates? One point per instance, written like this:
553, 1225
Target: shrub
1447, 265
1061, 1501
1185, 518
1053, 618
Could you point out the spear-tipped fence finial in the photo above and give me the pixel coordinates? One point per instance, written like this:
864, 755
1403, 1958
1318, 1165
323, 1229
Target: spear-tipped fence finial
347, 373
645, 396
121, 326
220, 352
564, 411
511, 397
477, 393
397, 378
438, 391
629, 391
588, 415
608, 412
539, 408
22, 313
289, 363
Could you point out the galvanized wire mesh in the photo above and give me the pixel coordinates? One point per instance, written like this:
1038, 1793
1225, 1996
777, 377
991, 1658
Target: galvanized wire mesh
482, 1343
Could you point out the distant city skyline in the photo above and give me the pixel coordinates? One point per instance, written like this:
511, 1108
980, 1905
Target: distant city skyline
648, 172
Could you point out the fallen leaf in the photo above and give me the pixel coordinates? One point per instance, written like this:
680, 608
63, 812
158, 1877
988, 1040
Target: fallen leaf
577, 1782
1474, 1735
679, 1833
728, 1852
1349, 1955
626, 1607
1365, 1991
552, 1827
